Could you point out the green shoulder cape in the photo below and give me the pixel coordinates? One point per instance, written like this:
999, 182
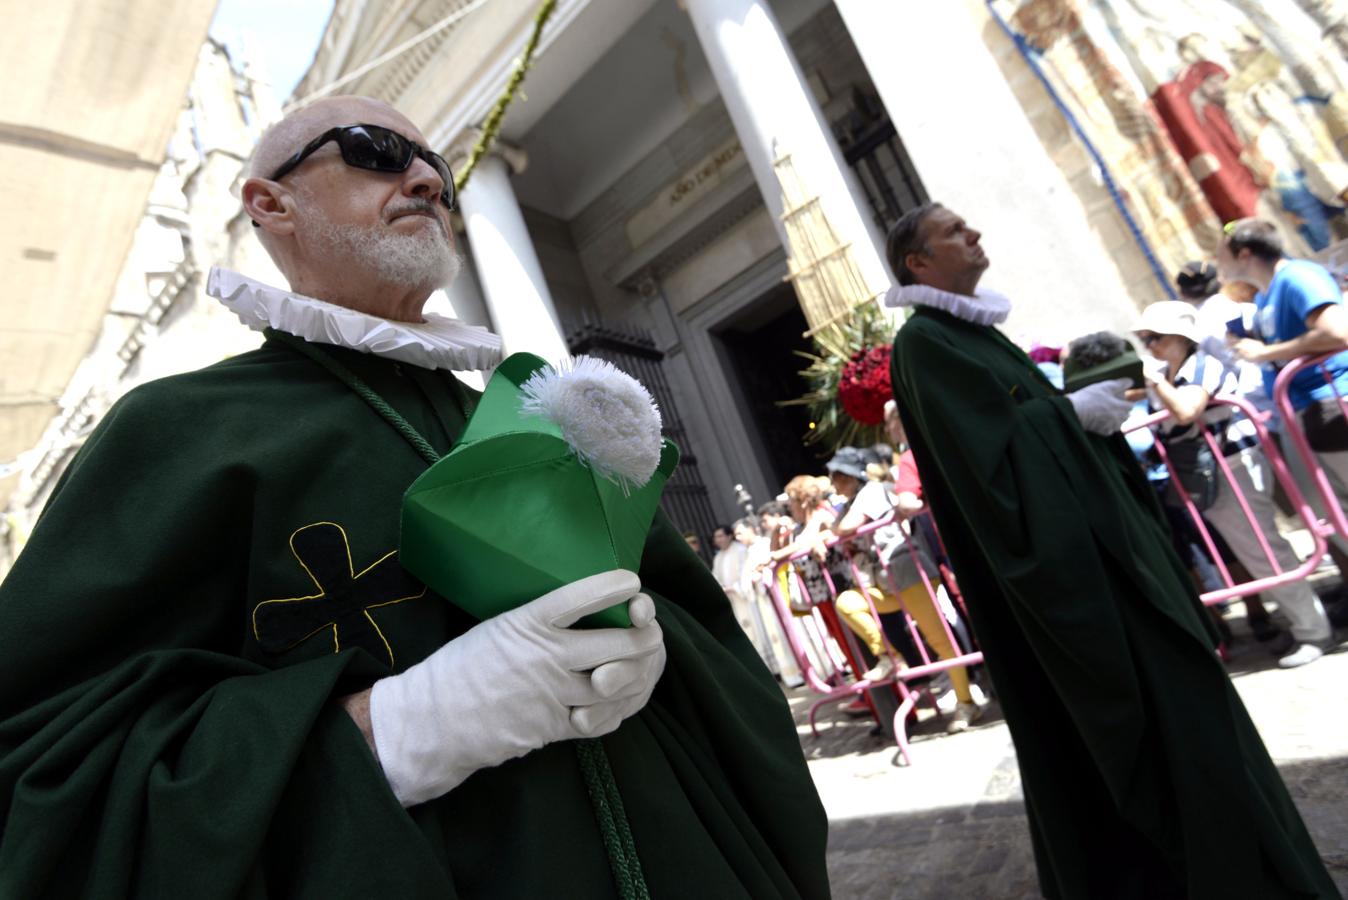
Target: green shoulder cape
1143, 774
218, 565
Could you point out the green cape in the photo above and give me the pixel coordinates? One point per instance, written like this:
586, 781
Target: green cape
217, 567
1143, 774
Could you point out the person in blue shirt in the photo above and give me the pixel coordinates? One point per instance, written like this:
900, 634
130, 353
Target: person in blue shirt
1299, 312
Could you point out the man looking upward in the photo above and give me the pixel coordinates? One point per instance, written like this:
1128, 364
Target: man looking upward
1143, 775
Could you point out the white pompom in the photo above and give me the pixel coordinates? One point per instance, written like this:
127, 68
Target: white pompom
607, 417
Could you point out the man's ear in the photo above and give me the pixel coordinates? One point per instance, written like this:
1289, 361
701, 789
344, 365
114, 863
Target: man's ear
269, 205
915, 261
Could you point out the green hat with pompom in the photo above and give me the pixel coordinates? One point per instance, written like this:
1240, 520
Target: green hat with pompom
556, 477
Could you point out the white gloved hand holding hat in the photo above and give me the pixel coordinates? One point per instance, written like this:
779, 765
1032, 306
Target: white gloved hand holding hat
514, 683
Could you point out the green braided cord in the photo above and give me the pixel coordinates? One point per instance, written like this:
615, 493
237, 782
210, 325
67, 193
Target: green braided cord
363, 390
613, 827
615, 804
492, 125
599, 781
617, 858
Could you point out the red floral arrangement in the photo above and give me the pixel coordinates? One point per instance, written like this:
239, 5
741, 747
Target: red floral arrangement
864, 385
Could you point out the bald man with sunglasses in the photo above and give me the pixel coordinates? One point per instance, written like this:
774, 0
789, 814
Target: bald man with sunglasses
221, 683
358, 215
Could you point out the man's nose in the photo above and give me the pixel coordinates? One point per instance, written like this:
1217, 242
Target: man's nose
975, 236
422, 180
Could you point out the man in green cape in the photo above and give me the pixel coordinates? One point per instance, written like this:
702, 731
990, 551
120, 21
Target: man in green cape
1143, 775
220, 682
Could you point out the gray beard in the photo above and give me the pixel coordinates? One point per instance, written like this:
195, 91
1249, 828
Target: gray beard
423, 259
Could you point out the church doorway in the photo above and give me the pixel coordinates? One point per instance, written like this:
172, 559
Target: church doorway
758, 348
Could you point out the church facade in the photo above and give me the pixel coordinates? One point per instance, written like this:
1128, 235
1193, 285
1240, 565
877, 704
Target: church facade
638, 204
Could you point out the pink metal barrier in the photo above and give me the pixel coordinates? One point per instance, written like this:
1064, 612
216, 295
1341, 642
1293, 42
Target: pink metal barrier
1291, 427
834, 687
1319, 531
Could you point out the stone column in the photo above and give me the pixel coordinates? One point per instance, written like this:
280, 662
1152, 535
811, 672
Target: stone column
522, 311
774, 113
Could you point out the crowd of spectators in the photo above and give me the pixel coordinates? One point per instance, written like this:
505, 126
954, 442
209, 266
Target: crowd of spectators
1236, 325
879, 580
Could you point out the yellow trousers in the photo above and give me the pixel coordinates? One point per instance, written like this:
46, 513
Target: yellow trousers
856, 613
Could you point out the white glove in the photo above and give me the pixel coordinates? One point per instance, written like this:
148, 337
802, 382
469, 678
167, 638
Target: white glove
1101, 406
514, 683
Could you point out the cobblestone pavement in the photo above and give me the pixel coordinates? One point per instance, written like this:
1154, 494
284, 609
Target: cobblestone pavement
953, 824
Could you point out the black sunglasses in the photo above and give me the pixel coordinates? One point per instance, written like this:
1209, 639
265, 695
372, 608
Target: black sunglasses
377, 149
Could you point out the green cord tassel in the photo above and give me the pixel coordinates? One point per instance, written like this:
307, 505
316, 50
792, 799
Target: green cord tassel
613, 827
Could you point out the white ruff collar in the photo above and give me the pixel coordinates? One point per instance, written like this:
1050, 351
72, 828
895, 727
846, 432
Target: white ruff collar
984, 308
437, 343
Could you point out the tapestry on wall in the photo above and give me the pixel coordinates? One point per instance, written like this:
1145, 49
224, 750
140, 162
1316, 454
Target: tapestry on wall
1205, 110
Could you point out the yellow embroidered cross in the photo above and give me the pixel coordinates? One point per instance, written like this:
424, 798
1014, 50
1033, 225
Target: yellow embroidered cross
343, 599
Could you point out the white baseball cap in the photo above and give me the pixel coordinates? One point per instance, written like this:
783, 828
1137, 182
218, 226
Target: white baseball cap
1171, 317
